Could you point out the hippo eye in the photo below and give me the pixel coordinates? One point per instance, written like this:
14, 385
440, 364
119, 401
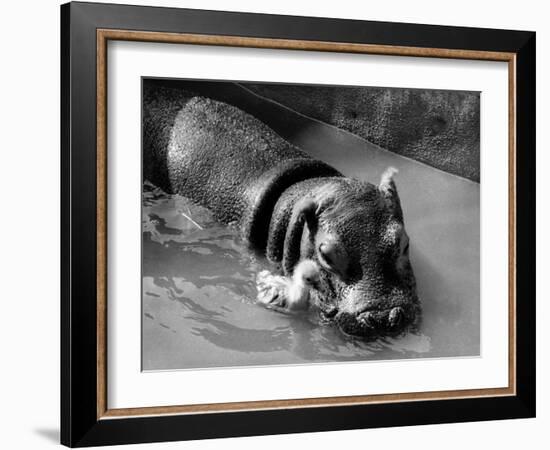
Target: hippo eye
326, 251
333, 257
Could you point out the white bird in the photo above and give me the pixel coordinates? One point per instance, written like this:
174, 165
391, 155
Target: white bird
289, 293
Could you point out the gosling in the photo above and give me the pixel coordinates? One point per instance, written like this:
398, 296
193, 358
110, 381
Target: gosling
288, 293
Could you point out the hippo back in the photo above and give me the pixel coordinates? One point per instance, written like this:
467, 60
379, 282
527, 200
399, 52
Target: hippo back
222, 158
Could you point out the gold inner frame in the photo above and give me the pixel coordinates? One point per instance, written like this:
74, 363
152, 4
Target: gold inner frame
104, 35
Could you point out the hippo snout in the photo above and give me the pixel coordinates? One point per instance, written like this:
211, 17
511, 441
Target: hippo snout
386, 316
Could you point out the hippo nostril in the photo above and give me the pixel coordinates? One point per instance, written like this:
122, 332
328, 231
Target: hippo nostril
366, 318
396, 316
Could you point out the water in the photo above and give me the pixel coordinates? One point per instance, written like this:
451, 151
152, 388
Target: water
199, 291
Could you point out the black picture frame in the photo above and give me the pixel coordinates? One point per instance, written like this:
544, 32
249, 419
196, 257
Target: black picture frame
80, 425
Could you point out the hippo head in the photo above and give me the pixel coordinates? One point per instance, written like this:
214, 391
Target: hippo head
357, 235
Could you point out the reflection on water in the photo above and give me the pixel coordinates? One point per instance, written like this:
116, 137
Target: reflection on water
199, 288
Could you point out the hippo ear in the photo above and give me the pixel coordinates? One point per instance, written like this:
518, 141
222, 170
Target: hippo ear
388, 189
387, 185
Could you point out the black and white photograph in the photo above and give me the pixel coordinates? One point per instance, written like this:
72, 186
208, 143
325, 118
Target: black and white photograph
289, 224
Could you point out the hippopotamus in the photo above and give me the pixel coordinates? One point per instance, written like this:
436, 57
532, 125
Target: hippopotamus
287, 207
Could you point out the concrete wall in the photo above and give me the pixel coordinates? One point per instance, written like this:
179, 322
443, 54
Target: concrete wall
439, 128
